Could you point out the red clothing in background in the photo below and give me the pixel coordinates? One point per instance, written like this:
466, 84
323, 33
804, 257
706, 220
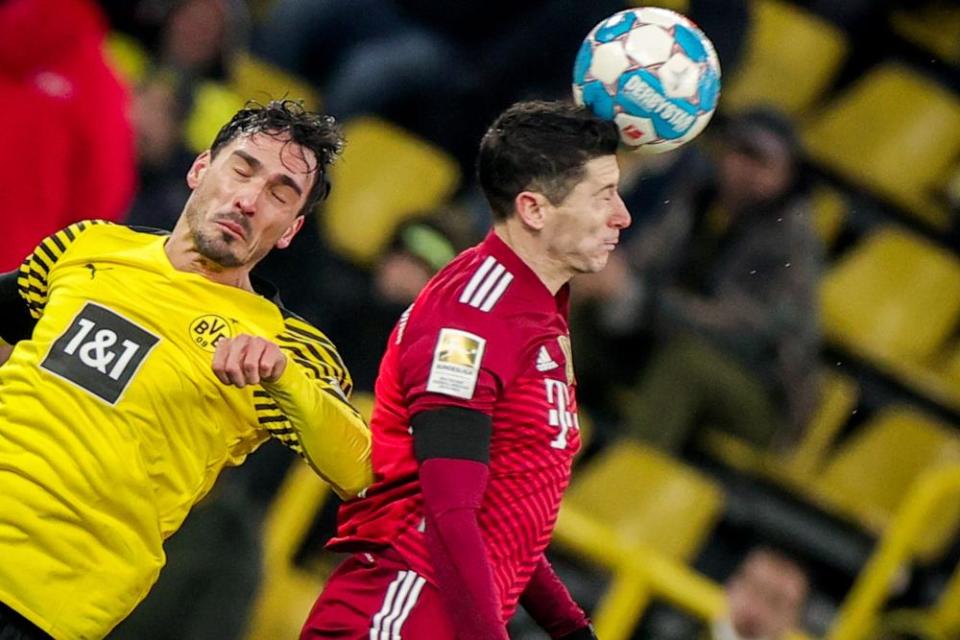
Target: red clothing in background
66, 139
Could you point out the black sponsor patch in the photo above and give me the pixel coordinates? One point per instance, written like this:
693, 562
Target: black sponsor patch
100, 352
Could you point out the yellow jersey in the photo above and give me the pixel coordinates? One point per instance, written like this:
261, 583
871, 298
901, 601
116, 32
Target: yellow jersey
113, 424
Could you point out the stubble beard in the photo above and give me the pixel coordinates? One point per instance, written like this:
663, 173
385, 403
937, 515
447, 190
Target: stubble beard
215, 246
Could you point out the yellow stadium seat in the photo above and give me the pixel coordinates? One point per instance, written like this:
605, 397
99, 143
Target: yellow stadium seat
839, 395
630, 501
950, 364
829, 213
255, 79
795, 467
127, 57
790, 60
868, 477
934, 26
288, 592
213, 106
894, 297
386, 176
895, 133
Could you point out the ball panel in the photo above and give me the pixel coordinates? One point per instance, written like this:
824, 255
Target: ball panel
614, 26
691, 43
655, 15
635, 130
640, 93
596, 96
680, 76
609, 61
649, 45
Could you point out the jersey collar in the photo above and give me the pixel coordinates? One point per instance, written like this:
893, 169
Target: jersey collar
533, 287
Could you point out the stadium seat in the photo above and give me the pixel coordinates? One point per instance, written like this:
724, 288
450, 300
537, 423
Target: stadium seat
932, 26
838, 398
386, 176
895, 133
214, 104
868, 477
127, 57
288, 591
795, 467
829, 213
894, 297
632, 500
255, 79
791, 57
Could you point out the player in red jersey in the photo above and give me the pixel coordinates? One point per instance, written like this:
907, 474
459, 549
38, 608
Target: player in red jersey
475, 423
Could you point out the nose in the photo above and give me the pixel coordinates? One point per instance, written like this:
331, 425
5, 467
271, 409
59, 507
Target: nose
621, 216
245, 200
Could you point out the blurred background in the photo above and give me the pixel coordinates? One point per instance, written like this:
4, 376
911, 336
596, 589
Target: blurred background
769, 368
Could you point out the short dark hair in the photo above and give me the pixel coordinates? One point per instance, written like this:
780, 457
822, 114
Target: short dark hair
540, 146
314, 131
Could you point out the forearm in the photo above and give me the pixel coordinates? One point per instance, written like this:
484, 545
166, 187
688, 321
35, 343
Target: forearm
549, 603
452, 492
333, 436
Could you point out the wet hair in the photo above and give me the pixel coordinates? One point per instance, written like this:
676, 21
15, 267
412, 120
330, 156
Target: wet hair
314, 131
543, 147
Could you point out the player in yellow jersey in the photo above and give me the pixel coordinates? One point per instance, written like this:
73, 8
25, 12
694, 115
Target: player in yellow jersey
144, 363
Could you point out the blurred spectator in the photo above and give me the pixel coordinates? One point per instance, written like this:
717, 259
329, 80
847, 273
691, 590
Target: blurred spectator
730, 272
199, 36
159, 110
418, 250
193, 37
68, 144
439, 68
765, 598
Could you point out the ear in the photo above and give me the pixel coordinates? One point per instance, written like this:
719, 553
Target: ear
290, 233
197, 169
531, 209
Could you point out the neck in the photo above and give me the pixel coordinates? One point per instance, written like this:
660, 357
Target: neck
526, 243
184, 256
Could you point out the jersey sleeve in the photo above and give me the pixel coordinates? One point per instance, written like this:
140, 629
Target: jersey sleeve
462, 359
308, 410
34, 276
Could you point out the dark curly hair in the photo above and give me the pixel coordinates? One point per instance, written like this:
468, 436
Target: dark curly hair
540, 146
317, 132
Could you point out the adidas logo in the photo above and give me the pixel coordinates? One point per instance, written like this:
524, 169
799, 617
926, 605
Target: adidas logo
544, 361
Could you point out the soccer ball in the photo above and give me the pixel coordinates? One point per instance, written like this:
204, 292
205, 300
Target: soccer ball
653, 72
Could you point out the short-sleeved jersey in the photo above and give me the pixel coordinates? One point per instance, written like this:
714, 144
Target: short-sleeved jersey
484, 334
112, 423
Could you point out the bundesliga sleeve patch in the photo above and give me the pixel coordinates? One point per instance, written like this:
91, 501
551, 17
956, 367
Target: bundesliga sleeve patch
456, 363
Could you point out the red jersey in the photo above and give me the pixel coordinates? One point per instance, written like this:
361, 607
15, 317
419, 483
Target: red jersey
484, 334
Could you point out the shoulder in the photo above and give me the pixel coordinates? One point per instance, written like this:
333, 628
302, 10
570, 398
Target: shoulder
103, 233
472, 288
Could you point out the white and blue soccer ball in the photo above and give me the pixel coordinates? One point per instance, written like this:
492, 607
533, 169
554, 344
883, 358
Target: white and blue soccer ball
654, 73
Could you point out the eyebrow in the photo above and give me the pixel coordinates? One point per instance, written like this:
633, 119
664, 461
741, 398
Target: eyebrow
604, 188
257, 165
